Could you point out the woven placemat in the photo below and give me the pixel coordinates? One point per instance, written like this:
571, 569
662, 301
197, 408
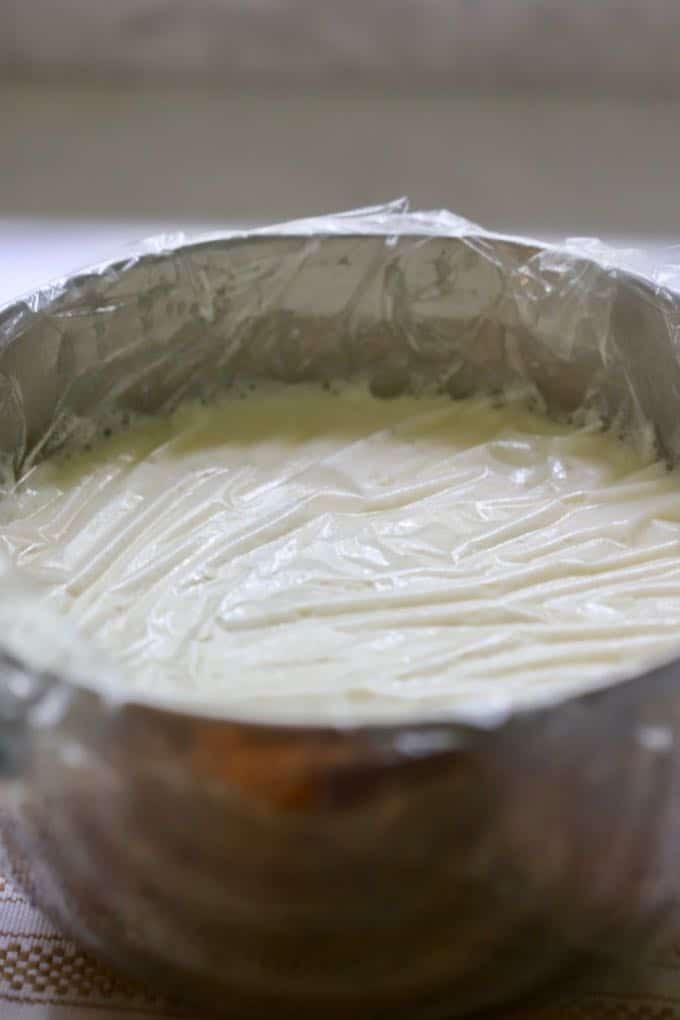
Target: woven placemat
44, 976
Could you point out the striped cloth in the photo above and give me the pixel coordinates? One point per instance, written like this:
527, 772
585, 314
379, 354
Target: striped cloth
44, 976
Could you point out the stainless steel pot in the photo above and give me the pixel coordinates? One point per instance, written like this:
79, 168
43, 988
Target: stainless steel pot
419, 870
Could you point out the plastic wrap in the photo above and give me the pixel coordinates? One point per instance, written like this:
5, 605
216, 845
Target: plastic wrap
423, 301
482, 860
418, 300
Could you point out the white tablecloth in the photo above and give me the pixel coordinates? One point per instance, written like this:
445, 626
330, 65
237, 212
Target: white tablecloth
44, 976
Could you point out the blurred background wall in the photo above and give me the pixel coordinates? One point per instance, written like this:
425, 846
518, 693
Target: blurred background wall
581, 44
534, 115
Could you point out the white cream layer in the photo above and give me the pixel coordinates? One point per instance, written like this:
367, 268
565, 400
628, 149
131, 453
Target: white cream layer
336, 557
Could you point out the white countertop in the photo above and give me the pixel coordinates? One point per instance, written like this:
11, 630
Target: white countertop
36, 251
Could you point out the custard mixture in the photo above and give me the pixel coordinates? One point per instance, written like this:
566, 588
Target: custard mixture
303, 554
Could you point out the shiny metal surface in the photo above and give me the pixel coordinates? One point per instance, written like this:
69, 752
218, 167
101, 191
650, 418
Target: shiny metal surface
420, 870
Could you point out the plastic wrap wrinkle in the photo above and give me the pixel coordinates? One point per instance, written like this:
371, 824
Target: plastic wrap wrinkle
329, 556
421, 301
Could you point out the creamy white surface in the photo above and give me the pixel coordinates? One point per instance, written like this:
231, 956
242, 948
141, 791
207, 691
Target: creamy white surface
334, 556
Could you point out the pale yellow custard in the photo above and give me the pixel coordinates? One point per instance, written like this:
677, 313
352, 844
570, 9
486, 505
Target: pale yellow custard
310, 555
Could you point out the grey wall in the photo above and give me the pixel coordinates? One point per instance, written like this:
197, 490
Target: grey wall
591, 44
559, 116
574, 165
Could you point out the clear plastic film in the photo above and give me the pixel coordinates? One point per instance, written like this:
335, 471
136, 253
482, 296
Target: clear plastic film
419, 300
423, 302
462, 849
